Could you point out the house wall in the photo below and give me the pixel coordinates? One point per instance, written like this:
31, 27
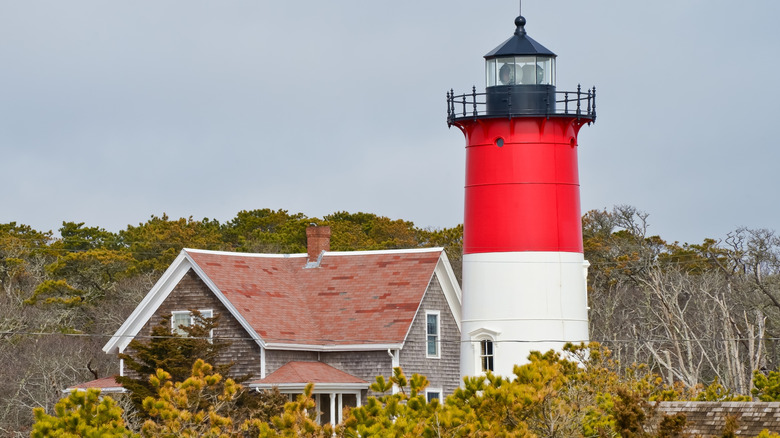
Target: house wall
442, 372
192, 293
366, 365
275, 359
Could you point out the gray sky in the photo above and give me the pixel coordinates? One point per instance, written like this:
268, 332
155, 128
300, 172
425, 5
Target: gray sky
113, 111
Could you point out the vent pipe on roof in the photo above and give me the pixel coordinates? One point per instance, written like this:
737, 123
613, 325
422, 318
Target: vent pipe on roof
317, 241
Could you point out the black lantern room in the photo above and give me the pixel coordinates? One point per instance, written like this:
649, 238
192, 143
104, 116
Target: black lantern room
520, 82
520, 75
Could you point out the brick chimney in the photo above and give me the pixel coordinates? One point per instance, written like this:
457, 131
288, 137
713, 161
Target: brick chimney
317, 240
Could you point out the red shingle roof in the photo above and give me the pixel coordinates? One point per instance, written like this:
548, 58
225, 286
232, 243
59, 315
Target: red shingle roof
308, 372
365, 297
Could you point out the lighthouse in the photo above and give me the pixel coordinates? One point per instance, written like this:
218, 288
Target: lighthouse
524, 272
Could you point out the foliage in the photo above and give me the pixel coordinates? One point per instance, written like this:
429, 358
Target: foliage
157, 242
76, 237
297, 420
266, 231
199, 406
353, 231
22, 251
766, 387
715, 392
81, 414
694, 313
171, 352
405, 413
581, 392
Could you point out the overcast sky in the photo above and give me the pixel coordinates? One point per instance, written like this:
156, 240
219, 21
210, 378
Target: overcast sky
113, 111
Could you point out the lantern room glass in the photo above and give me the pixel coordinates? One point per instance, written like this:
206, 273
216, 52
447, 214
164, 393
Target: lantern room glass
520, 70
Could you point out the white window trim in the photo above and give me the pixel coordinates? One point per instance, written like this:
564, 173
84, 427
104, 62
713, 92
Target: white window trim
434, 391
477, 336
438, 334
206, 313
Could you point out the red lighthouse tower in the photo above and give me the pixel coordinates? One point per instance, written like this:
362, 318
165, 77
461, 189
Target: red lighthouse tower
524, 273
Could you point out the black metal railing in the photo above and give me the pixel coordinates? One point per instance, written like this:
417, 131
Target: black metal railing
580, 104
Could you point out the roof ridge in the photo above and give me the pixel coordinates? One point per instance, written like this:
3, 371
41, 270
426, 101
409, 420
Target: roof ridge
245, 254
386, 251
333, 253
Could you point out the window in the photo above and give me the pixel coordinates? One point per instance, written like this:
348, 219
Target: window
483, 347
520, 70
486, 354
432, 334
186, 318
431, 394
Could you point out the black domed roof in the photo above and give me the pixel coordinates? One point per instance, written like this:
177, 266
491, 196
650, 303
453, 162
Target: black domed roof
519, 44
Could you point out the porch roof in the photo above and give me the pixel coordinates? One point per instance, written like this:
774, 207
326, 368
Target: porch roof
294, 376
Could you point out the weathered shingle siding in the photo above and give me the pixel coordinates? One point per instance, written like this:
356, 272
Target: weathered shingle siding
708, 419
192, 293
443, 372
366, 365
275, 359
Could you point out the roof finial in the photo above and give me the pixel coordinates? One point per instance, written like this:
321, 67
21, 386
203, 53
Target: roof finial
520, 23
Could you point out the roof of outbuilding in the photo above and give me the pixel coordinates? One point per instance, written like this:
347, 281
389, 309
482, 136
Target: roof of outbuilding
708, 419
106, 384
351, 298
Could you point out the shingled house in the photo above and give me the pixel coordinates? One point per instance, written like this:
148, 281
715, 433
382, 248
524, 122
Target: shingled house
338, 319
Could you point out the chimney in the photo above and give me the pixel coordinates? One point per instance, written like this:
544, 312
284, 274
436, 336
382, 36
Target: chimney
317, 241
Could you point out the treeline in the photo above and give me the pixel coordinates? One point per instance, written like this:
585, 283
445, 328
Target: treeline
693, 313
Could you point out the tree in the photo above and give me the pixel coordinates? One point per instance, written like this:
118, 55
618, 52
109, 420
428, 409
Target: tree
157, 242
297, 420
199, 406
171, 352
693, 313
23, 254
82, 414
367, 231
451, 239
767, 387
176, 355
583, 393
267, 231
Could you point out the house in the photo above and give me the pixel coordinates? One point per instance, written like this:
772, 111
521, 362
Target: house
338, 319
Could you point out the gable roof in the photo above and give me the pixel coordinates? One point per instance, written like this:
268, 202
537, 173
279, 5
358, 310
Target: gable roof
352, 300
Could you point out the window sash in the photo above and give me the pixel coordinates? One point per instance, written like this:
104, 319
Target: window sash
486, 354
186, 318
432, 332
434, 394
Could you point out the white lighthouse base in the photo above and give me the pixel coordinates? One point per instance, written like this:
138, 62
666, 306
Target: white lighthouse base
520, 302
